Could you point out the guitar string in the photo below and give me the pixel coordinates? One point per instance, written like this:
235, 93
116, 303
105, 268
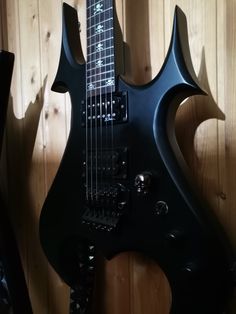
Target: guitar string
100, 75
105, 104
105, 88
102, 53
91, 110
111, 98
86, 119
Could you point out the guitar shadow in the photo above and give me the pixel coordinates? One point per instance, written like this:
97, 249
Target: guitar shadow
190, 116
192, 113
20, 139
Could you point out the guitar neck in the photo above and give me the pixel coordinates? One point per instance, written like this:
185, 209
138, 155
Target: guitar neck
100, 67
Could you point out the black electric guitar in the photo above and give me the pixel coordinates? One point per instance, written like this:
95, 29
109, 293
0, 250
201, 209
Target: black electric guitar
122, 183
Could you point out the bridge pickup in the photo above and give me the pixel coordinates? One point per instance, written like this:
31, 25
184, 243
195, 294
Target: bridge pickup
106, 109
107, 163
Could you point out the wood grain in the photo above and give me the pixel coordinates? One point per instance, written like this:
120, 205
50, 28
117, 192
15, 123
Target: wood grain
39, 122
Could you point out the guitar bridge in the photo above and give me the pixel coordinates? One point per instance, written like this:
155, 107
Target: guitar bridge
105, 207
106, 109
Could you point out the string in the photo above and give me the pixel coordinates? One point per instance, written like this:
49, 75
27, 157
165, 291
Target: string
103, 52
101, 109
111, 36
96, 126
106, 100
86, 115
91, 99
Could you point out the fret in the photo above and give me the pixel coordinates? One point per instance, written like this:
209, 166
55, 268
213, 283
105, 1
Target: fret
103, 88
92, 5
100, 56
99, 27
104, 75
91, 63
102, 53
100, 41
105, 22
99, 12
100, 69
99, 36
108, 81
94, 74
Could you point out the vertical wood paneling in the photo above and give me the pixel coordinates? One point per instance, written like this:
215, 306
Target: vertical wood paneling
201, 18
145, 55
53, 116
130, 283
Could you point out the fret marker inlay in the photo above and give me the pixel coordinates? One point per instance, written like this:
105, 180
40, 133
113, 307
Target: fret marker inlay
99, 63
99, 29
110, 82
98, 8
99, 47
91, 86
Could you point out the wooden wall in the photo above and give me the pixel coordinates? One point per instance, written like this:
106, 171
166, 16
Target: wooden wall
39, 121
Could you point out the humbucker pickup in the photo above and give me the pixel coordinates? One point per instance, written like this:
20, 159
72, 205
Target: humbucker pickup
106, 109
109, 163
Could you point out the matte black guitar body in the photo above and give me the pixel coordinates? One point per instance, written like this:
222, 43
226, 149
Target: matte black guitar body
152, 207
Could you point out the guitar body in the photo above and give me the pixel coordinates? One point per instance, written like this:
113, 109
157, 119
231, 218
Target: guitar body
152, 207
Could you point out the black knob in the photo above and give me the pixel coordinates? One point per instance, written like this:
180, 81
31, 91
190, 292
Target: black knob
161, 208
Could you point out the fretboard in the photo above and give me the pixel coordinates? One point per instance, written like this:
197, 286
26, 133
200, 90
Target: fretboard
100, 47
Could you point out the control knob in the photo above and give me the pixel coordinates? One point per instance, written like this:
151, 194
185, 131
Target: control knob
142, 182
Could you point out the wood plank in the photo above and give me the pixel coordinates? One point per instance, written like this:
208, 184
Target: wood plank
145, 54
201, 18
226, 54
53, 118
33, 175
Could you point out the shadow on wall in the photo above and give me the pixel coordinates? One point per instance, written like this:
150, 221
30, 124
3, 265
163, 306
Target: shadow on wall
24, 212
190, 115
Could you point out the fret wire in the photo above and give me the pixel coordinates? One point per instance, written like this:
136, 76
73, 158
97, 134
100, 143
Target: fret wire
91, 69
106, 39
90, 77
93, 16
102, 87
88, 7
107, 30
104, 73
100, 26
96, 40
101, 80
103, 58
107, 20
108, 48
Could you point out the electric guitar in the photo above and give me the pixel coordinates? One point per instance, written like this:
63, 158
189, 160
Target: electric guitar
122, 184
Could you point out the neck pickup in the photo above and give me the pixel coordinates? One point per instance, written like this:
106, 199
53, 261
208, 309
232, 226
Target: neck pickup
106, 109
